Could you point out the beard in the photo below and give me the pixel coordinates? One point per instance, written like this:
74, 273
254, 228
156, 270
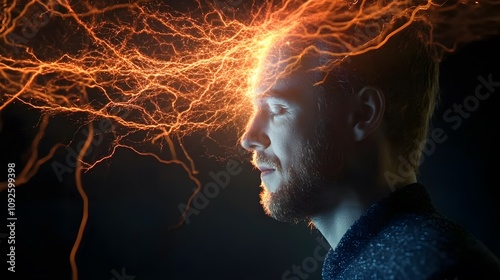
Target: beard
307, 186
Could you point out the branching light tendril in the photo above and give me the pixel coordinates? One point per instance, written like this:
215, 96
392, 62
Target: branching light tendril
160, 73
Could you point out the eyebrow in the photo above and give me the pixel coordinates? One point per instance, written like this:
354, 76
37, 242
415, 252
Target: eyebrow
270, 94
276, 94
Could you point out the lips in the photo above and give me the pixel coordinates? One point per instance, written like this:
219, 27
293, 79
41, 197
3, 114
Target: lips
266, 164
265, 170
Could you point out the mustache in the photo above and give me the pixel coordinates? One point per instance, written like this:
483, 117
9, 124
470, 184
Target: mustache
263, 159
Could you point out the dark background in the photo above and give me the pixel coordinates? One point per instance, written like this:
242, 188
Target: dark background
134, 199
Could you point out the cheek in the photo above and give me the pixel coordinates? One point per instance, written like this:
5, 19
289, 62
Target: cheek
288, 143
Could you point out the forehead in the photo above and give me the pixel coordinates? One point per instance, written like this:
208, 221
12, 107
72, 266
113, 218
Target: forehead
286, 73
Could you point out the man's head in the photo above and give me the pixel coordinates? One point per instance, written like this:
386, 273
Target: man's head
317, 139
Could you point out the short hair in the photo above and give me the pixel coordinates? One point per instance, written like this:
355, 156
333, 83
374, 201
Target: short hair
406, 70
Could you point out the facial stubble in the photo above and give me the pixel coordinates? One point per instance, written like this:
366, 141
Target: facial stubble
307, 182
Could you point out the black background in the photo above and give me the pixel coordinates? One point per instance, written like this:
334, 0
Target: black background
134, 199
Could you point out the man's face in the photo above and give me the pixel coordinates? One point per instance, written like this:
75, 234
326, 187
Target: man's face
296, 141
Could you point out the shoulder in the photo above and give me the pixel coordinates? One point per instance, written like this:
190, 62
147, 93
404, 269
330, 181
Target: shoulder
429, 246
404, 237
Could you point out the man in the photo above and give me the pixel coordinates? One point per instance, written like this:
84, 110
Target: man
330, 149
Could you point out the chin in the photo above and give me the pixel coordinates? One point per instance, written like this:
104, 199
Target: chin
278, 206
269, 188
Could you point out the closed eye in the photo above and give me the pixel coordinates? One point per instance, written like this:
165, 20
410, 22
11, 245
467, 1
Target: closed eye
277, 110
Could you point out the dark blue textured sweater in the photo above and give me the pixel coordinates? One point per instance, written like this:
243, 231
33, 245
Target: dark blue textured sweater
403, 237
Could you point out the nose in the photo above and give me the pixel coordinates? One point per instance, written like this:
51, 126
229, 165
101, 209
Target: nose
255, 137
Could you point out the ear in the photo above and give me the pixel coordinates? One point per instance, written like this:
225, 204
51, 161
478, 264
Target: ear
369, 113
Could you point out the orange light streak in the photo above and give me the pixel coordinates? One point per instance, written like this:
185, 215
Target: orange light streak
162, 75
85, 199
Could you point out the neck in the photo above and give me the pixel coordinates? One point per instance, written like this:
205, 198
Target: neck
366, 185
334, 223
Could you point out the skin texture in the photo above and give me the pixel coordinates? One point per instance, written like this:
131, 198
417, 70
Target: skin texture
321, 154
